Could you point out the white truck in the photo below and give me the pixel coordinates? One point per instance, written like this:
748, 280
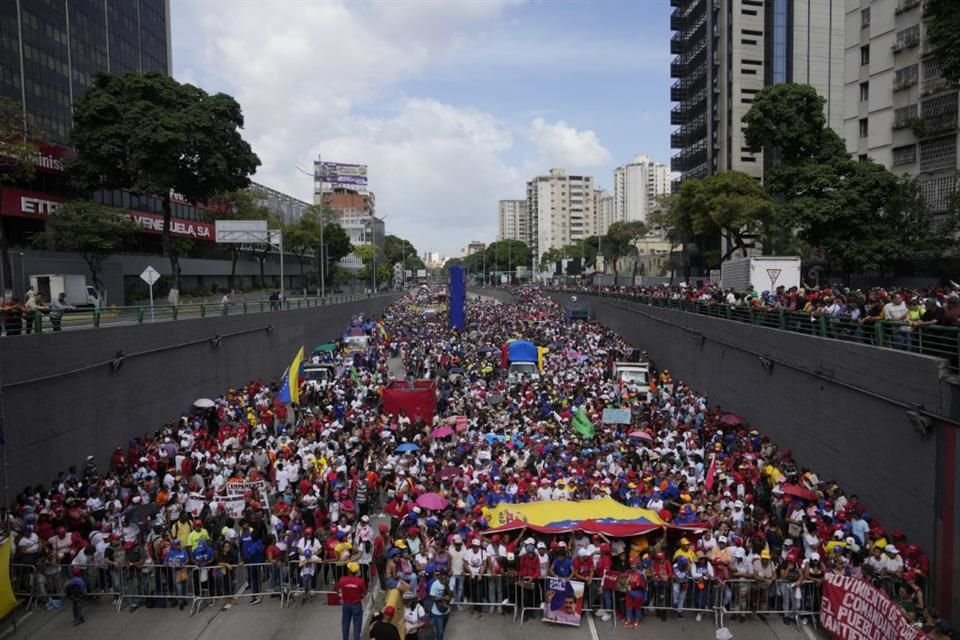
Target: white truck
635, 375
521, 370
764, 273
79, 293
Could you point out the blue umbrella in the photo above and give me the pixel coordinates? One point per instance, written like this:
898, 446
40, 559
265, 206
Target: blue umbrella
407, 447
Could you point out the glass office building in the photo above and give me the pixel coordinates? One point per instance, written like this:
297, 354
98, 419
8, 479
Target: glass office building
50, 50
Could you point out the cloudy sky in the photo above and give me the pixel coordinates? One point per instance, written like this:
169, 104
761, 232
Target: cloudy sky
453, 104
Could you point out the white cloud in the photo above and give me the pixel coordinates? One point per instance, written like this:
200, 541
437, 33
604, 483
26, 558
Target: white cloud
310, 74
561, 145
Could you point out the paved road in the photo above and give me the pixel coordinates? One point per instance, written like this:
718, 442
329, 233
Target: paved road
316, 620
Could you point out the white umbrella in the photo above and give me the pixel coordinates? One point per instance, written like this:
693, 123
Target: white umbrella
203, 403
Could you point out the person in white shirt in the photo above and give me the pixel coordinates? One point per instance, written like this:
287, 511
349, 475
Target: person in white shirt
456, 552
475, 562
414, 616
891, 563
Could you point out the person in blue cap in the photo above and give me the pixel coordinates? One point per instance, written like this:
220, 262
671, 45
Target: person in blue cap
681, 580
202, 557
76, 590
178, 559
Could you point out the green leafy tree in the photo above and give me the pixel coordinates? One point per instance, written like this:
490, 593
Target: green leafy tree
17, 162
507, 255
89, 229
943, 31
336, 241
789, 121
153, 135
301, 238
619, 242
730, 203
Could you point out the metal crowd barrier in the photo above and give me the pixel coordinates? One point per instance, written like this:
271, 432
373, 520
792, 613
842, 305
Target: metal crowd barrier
777, 597
931, 340
306, 579
708, 598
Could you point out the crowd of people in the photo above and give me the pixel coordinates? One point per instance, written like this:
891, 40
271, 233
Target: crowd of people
851, 314
342, 478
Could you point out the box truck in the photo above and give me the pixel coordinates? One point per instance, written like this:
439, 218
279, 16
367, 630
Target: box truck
764, 273
79, 293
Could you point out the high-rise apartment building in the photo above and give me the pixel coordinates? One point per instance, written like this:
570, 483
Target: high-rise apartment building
561, 210
50, 50
514, 222
636, 187
604, 208
899, 110
726, 52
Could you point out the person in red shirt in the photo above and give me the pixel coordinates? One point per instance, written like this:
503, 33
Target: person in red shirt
351, 589
529, 575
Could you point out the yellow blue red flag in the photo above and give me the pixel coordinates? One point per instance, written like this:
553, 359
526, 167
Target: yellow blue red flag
290, 387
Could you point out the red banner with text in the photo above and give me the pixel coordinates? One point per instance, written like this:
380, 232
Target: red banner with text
30, 204
853, 609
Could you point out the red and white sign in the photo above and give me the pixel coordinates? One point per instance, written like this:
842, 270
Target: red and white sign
853, 609
29, 204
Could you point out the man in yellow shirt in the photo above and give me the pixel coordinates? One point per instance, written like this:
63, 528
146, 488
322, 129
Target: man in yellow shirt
685, 551
181, 529
198, 534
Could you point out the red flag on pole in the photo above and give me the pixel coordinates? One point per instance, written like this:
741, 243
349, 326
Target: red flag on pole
711, 474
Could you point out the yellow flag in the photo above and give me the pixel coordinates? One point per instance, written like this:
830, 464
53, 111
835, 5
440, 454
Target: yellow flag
8, 602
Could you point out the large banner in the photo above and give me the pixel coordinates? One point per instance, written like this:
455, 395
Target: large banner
852, 609
604, 515
563, 601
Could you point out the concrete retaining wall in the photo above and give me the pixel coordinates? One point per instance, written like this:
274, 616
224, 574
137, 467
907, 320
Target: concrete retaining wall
62, 400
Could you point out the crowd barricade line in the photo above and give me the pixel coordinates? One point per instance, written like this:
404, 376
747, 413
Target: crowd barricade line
776, 597
28, 585
156, 585
528, 597
304, 580
486, 591
215, 583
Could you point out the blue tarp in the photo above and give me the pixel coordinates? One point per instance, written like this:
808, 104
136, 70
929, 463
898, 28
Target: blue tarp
522, 351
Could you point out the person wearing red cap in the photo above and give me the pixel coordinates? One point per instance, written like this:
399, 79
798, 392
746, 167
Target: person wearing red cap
384, 629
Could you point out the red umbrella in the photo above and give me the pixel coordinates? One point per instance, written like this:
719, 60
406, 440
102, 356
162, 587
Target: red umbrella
799, 492
442, 432
731, 420
643, 435
432, 501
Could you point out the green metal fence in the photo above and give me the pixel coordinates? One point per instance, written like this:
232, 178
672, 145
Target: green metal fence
929, 340
144, 314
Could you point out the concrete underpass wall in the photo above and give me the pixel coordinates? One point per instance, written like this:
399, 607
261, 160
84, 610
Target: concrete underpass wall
61, 417
859, 440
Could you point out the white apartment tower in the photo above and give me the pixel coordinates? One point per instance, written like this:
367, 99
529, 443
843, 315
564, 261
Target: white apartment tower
636, 187
561, 210
603, 206
514, 222
900, 112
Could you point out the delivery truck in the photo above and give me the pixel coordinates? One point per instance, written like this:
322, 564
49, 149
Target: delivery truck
763, 273
79, 293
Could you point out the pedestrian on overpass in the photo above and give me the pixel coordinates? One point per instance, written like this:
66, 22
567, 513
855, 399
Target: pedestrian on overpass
57, 309
351, 589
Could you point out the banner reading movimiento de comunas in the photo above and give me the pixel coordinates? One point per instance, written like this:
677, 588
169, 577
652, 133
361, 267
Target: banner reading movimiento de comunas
853, 609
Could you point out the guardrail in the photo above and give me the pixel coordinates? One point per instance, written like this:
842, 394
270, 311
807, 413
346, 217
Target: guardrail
115, 316
929, 340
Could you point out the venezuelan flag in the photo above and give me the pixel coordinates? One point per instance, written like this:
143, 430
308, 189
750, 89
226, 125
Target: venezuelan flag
382, 330
290, 388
